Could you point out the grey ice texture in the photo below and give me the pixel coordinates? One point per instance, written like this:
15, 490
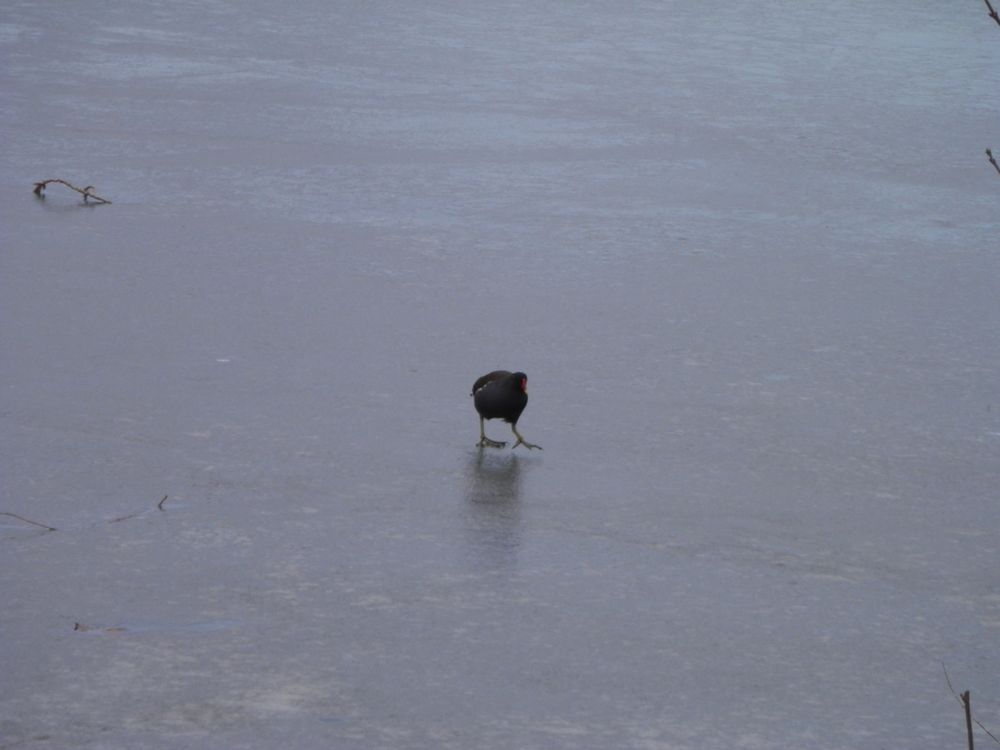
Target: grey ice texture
747, 254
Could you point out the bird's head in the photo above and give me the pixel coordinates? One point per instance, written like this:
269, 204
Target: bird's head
520, 381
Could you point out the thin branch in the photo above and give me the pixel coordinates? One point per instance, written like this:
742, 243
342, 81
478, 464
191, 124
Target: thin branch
28, 520
948, 680
993, 13
962, 703
989, 155
159, 505
53, 528
87, 192
84, 628
992, 736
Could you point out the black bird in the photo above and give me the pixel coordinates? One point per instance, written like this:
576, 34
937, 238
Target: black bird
501, 395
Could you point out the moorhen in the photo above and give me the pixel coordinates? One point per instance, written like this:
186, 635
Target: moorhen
501, 395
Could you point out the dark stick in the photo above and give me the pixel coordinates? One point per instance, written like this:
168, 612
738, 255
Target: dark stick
962, 702
989, 155
160, 504
87, 192
28, 520
993, 13
967, 702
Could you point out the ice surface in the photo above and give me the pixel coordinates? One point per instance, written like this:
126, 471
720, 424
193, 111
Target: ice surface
746, 253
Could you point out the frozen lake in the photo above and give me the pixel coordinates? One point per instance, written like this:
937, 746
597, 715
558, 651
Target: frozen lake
747, 254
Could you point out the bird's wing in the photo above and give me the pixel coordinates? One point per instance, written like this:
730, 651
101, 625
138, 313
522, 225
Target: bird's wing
487, 379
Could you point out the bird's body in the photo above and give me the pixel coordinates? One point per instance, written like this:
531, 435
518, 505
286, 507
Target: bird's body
501, 395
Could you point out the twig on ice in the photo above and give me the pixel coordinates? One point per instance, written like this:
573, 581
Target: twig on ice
87, 192
989, 155
993, 13
28, 520
159, 505
966, 702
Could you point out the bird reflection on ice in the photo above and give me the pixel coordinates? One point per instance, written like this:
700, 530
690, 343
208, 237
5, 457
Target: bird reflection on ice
493, 509
493, 479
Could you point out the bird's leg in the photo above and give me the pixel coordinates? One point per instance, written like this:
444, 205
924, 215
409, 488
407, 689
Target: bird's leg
483, 440
521, 440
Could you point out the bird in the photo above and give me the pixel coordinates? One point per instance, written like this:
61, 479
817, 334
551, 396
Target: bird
501, 395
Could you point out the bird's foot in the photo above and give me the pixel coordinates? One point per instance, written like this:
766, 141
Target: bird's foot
487, 443
526, 444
